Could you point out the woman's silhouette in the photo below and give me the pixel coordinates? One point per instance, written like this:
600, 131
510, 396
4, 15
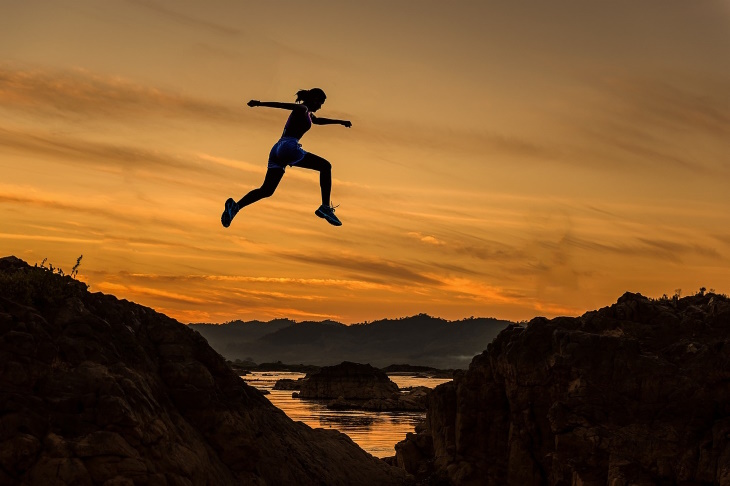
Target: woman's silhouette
288, 151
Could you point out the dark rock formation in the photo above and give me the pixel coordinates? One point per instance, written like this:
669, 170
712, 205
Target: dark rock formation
95, 390
637, 393
357, 386
288, 384
351, 381
413, 400
415, 454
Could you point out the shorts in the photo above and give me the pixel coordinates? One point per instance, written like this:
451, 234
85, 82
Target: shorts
287, 151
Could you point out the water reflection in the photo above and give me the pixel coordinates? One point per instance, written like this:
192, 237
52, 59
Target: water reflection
376, 432
349, 421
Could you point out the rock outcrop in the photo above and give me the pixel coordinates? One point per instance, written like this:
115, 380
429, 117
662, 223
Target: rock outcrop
95, 390
354, 386
288, 384
351, 381
413, 400
637, 393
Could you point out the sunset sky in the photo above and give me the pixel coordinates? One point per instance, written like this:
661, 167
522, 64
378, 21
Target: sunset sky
507, 159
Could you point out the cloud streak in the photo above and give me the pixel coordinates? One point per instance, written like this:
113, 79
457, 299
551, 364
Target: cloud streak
83, 93
244, 279
428, 239
662, 123
644, 247
459, 141
184, 19
102, 156
698, 106
92, 208
379, 270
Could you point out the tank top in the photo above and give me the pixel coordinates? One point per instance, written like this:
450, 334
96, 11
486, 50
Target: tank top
297, 125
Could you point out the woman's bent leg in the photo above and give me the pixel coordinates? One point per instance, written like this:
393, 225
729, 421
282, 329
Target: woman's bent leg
315, 162
311, 161
272, 179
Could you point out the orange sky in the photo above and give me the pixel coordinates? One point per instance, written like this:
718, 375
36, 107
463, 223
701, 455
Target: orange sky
507, 159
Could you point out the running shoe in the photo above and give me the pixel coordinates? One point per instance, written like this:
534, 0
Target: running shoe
228, 213
328, 213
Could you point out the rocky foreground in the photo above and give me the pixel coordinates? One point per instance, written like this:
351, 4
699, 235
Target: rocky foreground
637, 393
95, 390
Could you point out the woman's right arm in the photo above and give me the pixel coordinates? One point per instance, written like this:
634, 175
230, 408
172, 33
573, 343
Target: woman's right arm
276, 104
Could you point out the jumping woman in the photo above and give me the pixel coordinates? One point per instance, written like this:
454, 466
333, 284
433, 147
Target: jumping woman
288, 151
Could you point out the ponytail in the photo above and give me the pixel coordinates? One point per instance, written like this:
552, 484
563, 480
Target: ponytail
310, 94
302, 95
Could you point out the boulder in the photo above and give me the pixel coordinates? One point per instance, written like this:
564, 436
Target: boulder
354, 386
351, 381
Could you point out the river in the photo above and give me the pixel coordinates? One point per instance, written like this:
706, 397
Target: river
375, 432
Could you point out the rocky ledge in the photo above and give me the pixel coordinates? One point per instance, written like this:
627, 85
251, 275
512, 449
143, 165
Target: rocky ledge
413, 400
96, 390
288, 384
637, 393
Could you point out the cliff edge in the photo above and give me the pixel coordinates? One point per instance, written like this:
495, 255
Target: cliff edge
96, 390
636, 393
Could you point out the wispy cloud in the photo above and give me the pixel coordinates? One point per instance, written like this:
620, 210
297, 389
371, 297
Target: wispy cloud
491, 252
673, 247
695, 105
58, 239
662, 123
725, 238
458, 141
101, 156
452, 268
233, 163
164, 295
92, 207
186, 20
382, 270
474, 289
635, 143
245, 279
458, 248
644, 247
80, 92
428, 239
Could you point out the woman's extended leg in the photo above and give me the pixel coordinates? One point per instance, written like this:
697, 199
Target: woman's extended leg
273, 176
272, 179
315, 162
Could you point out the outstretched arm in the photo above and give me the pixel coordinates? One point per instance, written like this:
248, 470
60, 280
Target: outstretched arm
329, 121
276, 104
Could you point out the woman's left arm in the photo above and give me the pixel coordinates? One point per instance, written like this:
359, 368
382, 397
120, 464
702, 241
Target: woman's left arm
329, 121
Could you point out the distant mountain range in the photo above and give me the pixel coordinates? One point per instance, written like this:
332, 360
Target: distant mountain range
417, 340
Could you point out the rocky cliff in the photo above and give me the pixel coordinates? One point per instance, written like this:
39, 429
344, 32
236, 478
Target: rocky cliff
95, 390
636, 393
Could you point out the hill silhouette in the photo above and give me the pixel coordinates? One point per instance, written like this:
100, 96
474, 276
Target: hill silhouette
96, 390
418, 340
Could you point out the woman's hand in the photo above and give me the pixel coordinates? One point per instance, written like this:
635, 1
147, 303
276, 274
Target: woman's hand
253, 103
347, 123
